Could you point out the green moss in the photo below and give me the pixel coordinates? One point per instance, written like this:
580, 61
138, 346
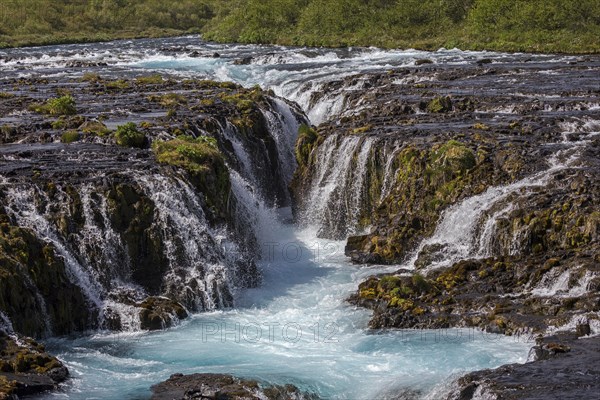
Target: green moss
307, 140
119, 84
155, 79
129, 136
421, 283
64, 105
168, 100
362, 129
440, 105
69, 137
96, 128
244, 99
454, 154
91, 77
204, 163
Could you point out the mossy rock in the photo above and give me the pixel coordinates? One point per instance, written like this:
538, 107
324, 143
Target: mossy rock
159, 313
440, 105
128, 135
64, 105
205, 165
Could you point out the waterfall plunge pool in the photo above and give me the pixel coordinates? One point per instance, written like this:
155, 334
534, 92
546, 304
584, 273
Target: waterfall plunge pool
296, 328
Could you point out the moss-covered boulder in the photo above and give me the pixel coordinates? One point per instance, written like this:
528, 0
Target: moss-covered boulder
26, 368
205, 166
35, 290
160, 313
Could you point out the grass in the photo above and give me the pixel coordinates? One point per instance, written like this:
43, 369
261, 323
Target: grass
69, 137
506, 25
64, 105
129, 136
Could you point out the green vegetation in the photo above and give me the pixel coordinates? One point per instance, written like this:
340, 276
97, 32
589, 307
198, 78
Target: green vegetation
204, 163
511, 25
128, 135
191, 154
69, 137
155, 79
308, 138
64, 105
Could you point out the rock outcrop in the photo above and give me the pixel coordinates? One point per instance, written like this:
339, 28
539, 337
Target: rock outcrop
562, 368
26, 368
222, 387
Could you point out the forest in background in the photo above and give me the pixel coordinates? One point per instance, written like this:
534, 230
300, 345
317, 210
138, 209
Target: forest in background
505, 25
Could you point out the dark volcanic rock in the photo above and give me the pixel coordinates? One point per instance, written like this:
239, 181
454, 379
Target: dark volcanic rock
221, 387
572, 374
26, 368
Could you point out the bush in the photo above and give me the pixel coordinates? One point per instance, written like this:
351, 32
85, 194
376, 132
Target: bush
64, 105
69, 137
129, 136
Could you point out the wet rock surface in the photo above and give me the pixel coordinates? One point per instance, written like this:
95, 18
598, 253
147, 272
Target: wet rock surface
26, 368
568, 369
512, 148
221, 387
85, 165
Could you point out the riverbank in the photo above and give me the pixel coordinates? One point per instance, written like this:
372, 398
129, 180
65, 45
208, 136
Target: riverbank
547, 26
473, 175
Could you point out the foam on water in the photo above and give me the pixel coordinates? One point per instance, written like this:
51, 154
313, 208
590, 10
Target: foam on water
296, 329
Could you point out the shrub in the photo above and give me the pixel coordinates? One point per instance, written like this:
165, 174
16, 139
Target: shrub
64, 105
69, 137
128, 135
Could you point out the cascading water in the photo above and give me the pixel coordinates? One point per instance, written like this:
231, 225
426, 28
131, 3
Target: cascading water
309, 336
334, 202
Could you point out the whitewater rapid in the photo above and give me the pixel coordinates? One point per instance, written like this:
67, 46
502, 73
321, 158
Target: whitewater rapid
296, 328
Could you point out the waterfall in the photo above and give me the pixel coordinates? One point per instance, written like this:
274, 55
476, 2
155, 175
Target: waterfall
5, 324
21, 205
198, 275
283, 125
97, 229
350, 177
466, 229
336, 189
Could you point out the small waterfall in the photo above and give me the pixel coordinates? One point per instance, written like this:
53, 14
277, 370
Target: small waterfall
99, 243
557, 283
459, 234
323, 99
390, 170
5, 324
21, 205
198, 276
350, 177
283, 126
333, 203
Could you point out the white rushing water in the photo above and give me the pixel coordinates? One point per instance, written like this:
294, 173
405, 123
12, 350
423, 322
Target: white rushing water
296, 327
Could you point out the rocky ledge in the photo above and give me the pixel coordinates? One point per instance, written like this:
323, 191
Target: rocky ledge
103, 184
222, 387
483, 181
563, 367
26, 368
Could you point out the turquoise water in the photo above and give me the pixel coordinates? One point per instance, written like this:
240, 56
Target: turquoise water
297, 328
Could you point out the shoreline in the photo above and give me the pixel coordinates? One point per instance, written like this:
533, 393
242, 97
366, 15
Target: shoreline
60, 40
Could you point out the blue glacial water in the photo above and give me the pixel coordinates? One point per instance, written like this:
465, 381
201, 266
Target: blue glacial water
297, 328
